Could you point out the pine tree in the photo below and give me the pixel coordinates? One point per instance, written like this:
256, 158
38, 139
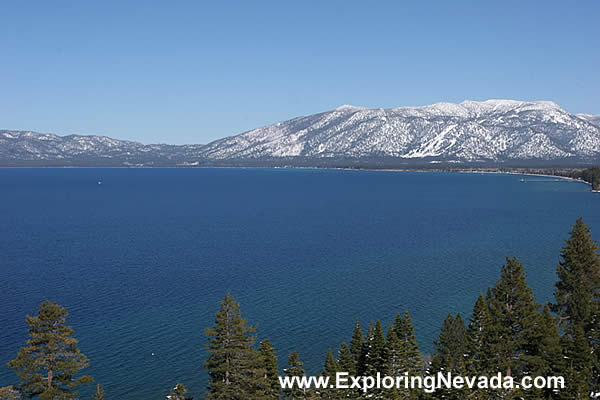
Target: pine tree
478, 333
48, 364
330, 370
357, 348
331, 365
404, 329
451, 352
375, 351
99, 392
233, 364
442, 360
395, 350
451, 347
395, 363
512, 312
408, 355
577, 296
268, 362
366, 365
178, 392
479, 336
543, 352
461, 346
579, 278
295, 368
375, 354
578, 355
346, 361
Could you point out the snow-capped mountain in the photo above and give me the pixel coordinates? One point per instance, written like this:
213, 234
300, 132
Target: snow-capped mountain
30, 148
594, 119
498, 131
492, 130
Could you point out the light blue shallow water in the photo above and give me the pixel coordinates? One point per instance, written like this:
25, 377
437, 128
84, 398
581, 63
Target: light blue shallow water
142, 260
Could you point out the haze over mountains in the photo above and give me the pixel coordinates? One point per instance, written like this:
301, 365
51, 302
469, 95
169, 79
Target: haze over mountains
506, 132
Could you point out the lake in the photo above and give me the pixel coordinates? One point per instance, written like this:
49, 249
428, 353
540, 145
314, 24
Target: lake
142, 260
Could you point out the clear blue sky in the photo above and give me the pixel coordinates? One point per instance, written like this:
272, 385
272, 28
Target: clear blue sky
192, 72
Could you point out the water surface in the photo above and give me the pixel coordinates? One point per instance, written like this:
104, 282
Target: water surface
142, 260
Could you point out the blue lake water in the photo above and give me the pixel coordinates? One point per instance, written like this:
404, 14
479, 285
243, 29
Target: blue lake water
142, 260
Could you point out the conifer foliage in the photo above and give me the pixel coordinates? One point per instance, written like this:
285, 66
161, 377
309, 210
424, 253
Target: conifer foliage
411, 356
543, 353
268, 362
99, 392
48, 364
375, 351
578, 307
233, 364
356, 348
451, 347
451, 355
10, 393
346, 362
178, 393
512, 311
330, 369
478, 336
295, 368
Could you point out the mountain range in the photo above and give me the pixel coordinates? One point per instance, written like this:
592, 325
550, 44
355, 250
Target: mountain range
502, 132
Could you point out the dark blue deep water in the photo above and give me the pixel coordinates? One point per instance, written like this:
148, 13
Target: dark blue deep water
142, 260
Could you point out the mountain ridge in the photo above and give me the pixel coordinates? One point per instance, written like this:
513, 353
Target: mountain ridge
491, 131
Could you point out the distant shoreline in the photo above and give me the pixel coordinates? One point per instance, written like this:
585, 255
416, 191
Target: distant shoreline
484, 172
509, 171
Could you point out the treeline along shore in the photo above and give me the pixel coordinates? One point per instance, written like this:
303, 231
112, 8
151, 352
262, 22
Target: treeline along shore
587, 175
508, 333
590, 176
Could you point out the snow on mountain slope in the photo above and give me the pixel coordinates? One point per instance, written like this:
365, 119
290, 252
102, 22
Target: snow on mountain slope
594, 119
31, 148
472, 131
489, 130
